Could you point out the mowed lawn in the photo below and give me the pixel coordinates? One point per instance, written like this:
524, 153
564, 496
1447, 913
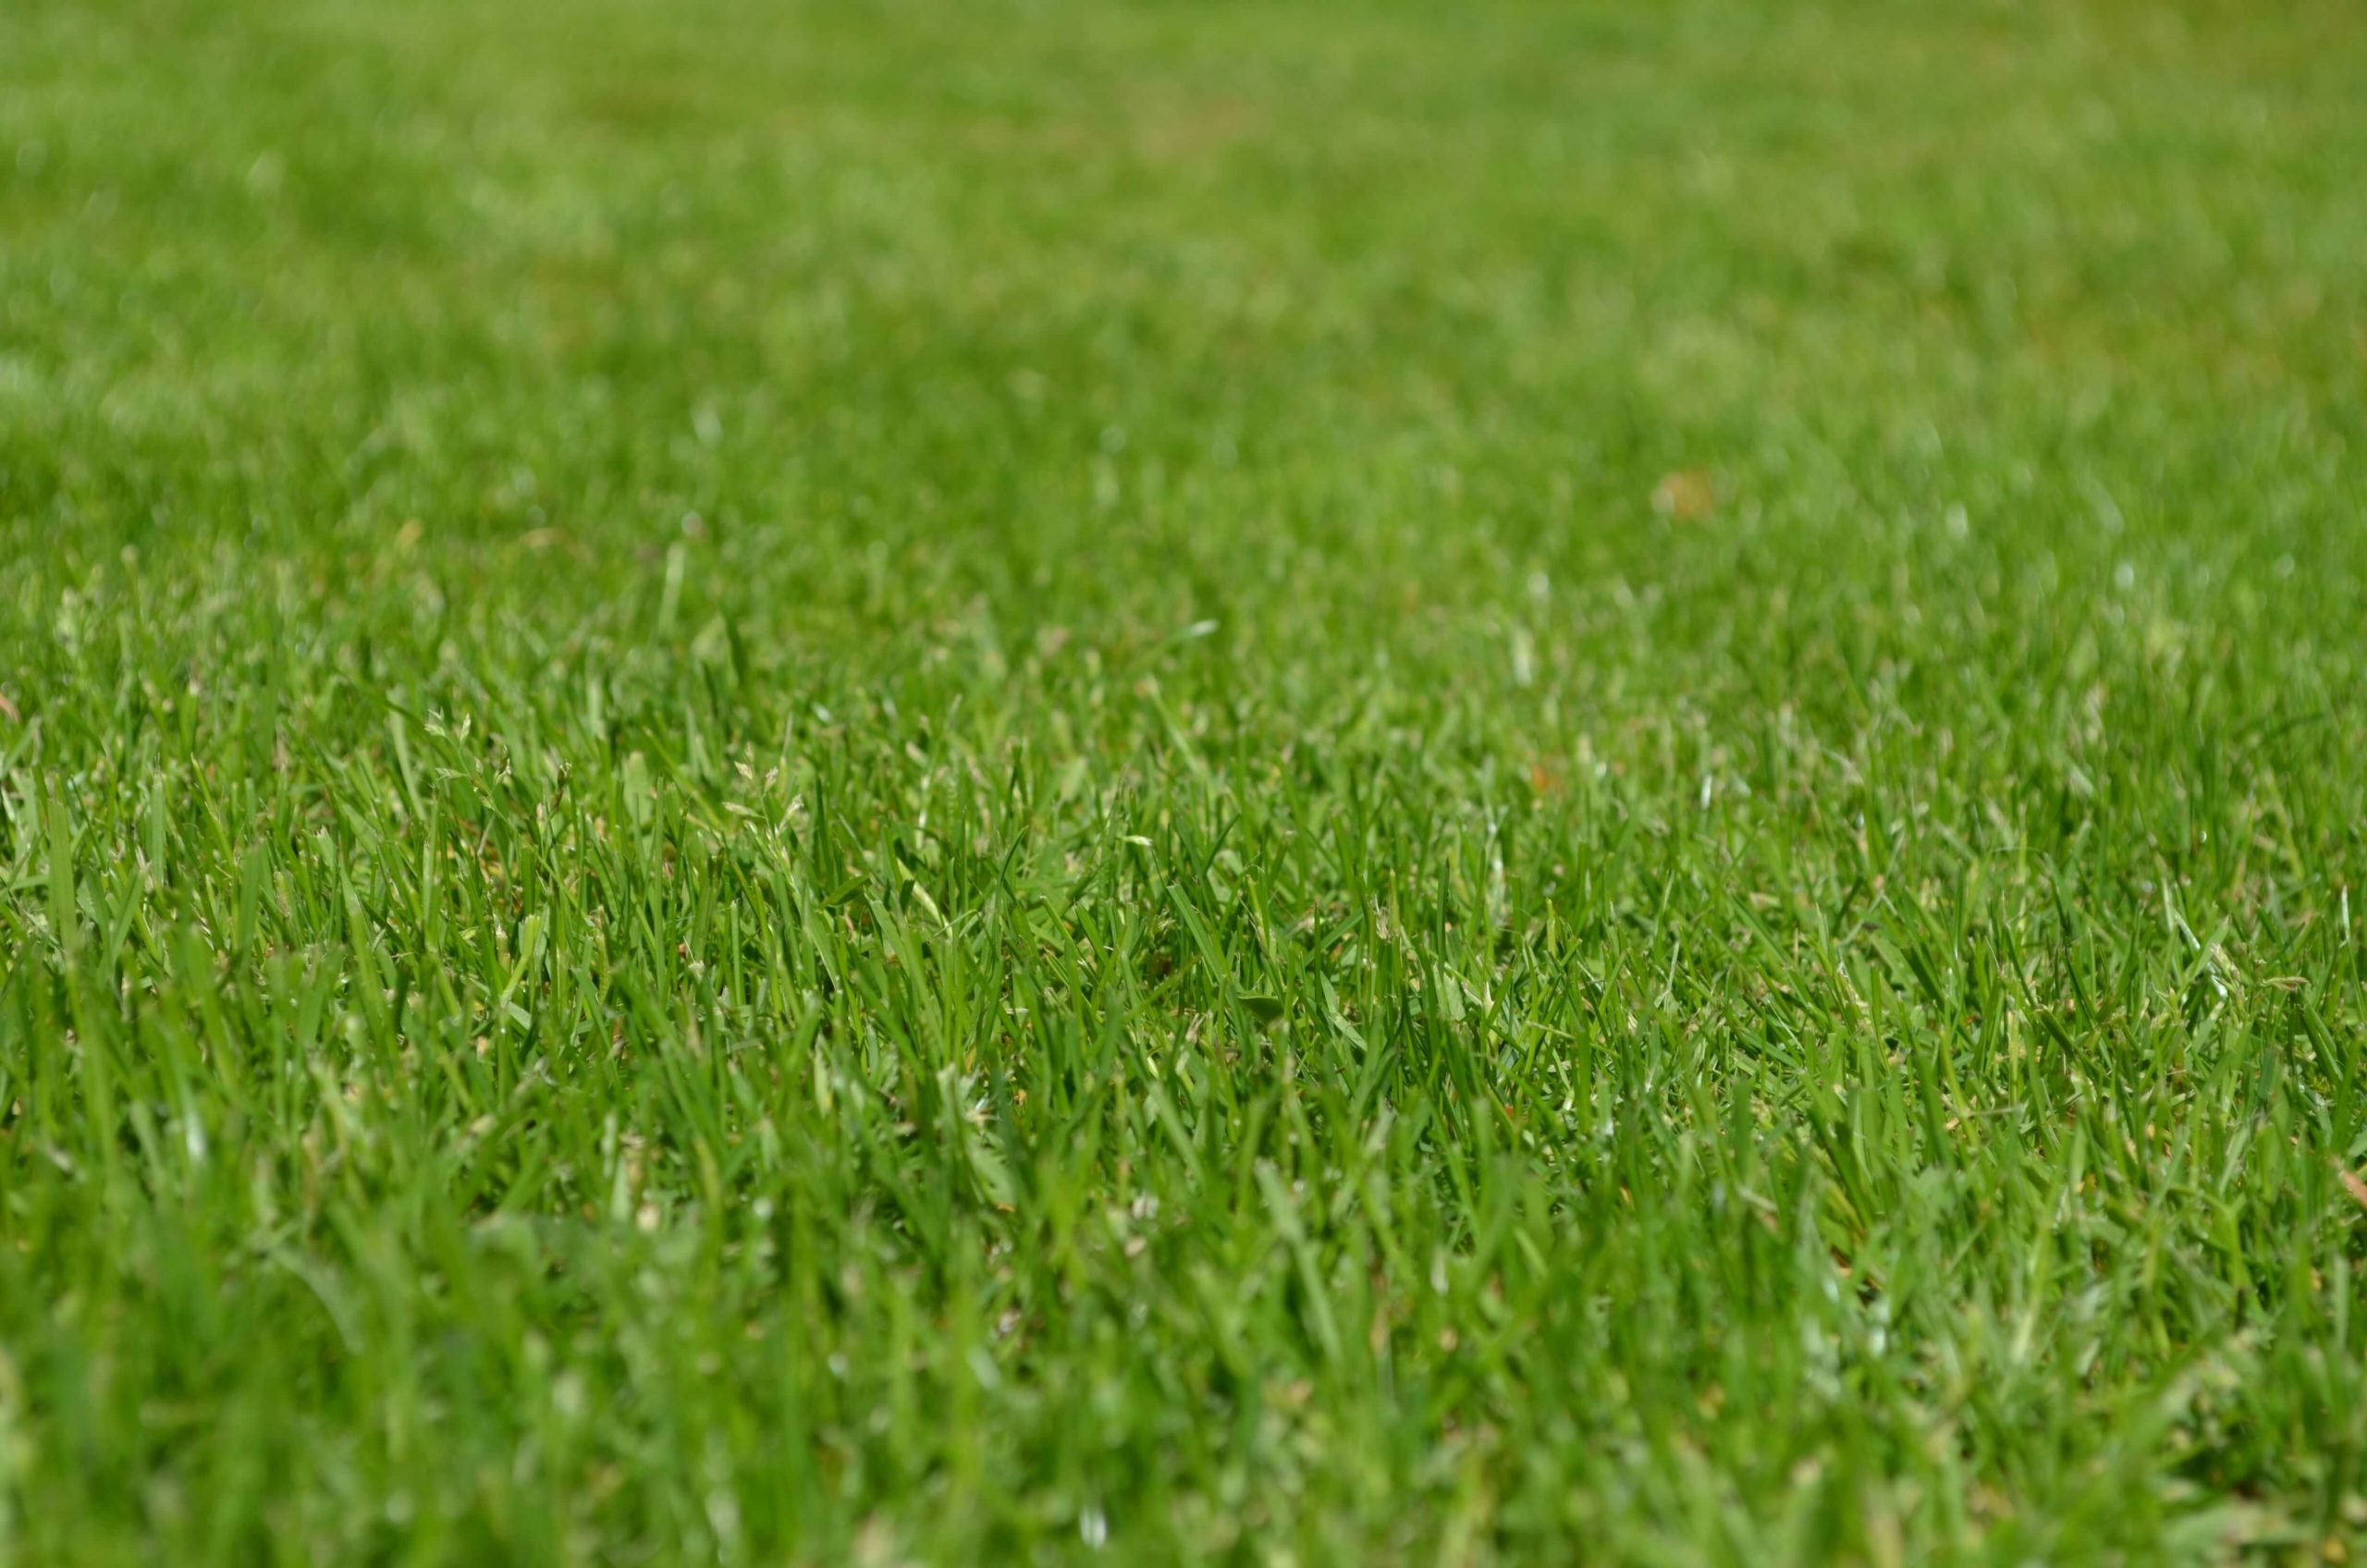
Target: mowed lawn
911, 782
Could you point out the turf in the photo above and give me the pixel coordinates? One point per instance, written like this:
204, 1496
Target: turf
912, 782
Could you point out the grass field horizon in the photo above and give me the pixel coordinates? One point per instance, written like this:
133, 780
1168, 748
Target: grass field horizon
911, 782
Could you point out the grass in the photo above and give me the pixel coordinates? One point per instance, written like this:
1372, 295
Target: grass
1026, 781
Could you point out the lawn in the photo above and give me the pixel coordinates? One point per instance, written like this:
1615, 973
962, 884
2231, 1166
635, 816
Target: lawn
909, 782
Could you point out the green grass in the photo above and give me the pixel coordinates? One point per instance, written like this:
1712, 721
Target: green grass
896, 782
